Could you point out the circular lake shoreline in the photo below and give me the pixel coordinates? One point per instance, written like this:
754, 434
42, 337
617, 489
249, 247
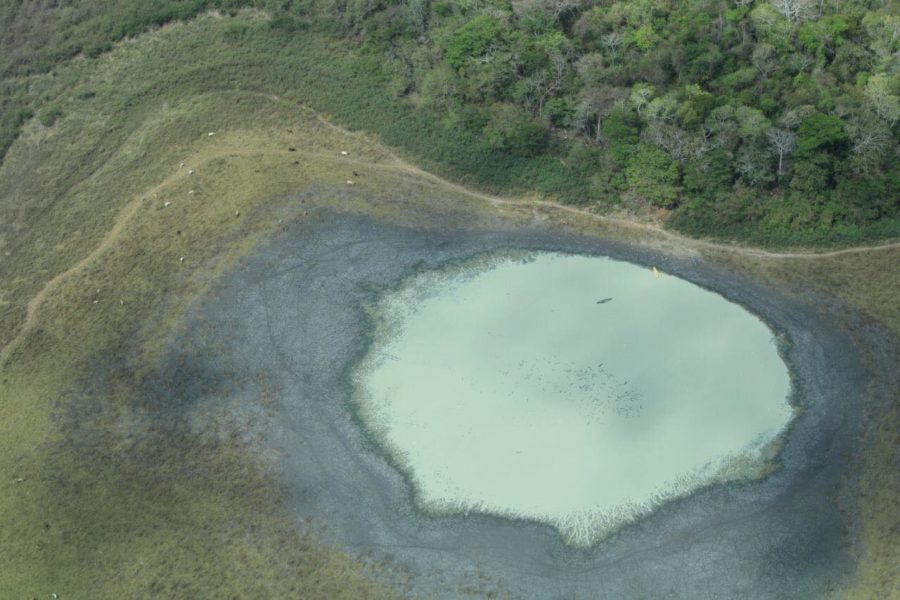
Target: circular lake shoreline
293, 315
500, 386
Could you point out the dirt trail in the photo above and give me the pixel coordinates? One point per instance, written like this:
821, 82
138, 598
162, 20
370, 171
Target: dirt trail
397, 164
122, 219
403, 166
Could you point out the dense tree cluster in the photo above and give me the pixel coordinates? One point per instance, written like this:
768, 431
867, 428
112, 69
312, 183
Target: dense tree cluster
779, 112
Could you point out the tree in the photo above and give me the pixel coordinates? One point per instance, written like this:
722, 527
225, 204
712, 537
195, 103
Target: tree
883, 32
662, 110
794, 10
675, 141
871, 143
538, 16
820, 132
591, 68
765, 59
417, 13
612, 44
885, 104
548, 82
709, 175
473, 40
826, 32
512, 130
640, 96
644, 38
754, 164
772, 26
811, 176
783, 143
792, 118
653, 175
440, 87
559, 112
752, 123
621, 130
596, 103
721, 128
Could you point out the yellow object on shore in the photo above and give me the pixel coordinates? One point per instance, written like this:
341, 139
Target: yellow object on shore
656, 272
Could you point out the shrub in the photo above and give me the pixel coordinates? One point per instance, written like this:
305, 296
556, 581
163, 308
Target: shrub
50, 115
653, 176
510, 129
472, 40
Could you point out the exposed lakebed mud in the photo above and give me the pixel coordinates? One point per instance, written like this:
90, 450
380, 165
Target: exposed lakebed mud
289, 323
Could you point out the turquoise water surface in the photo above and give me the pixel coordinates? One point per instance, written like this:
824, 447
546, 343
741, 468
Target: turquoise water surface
577, 391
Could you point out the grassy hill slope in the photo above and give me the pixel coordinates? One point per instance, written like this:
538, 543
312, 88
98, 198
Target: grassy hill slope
88, 508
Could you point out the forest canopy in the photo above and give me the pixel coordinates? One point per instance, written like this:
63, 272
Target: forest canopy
781, 113
766, 119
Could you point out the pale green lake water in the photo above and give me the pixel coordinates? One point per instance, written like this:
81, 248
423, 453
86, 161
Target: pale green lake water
502, 386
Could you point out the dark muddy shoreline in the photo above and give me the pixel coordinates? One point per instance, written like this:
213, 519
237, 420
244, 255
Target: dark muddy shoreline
288, 324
